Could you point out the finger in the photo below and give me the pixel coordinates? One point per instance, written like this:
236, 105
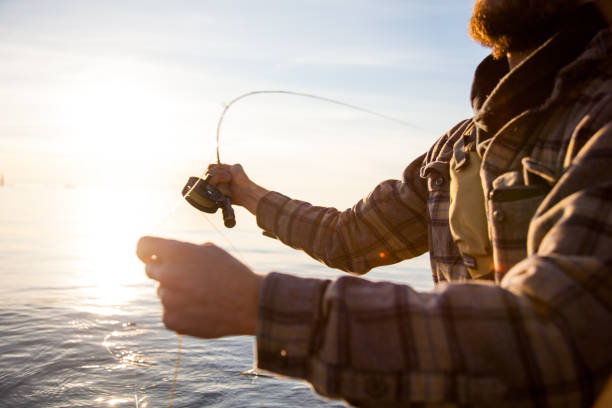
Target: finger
154, 248
236, 168
218, 177
172, 274
148, 248
175, 276
216, 167
172, 299
152, 269
173, 321
213, 253
189, 321
180, 321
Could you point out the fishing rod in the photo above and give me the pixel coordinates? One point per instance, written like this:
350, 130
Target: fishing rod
209, 198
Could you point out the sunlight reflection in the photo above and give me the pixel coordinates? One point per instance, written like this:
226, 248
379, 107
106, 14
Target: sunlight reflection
107, 224
118, 345
115, 401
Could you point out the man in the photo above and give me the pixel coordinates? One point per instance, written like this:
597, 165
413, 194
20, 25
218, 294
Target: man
515, 209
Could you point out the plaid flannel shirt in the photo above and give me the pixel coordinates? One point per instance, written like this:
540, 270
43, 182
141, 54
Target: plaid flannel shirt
540, 334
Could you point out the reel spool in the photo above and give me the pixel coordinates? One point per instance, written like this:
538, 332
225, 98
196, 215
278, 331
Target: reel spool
207, 198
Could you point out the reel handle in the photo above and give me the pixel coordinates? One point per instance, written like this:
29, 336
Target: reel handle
229, 218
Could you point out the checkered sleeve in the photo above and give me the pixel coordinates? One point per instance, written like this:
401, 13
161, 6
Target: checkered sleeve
541, 338
387, 226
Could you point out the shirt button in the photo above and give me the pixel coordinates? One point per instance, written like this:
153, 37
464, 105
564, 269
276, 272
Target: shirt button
439, 181
498, 215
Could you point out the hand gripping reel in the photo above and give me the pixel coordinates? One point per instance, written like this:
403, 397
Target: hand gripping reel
208, 198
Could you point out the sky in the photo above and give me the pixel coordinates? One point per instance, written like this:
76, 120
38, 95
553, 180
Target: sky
129, 92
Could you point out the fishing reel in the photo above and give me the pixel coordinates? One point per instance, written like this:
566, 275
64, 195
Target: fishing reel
208, 198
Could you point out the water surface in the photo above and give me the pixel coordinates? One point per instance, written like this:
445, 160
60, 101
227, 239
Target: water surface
80, 322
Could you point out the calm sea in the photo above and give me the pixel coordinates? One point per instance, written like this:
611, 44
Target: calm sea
80, 323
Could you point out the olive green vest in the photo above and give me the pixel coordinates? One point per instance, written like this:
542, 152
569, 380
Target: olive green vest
467, 214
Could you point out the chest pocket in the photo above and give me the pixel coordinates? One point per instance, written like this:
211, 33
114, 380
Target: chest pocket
513, 201
467, 212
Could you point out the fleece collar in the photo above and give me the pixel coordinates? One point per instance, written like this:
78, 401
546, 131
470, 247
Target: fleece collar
499, 94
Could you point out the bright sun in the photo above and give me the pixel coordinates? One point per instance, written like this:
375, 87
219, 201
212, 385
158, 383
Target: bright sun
115, 110
120, 123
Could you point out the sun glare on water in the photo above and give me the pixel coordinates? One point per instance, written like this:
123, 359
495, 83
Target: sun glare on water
107, 223
119, 124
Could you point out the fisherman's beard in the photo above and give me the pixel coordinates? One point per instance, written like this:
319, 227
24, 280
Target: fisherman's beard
517, 25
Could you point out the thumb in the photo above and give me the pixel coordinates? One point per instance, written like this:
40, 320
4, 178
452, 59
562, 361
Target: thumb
149, 248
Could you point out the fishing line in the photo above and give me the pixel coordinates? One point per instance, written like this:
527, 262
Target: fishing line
318, 98
176, 368
225, 237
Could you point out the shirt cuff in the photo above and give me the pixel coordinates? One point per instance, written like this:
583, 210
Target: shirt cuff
268, 212
288, 322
